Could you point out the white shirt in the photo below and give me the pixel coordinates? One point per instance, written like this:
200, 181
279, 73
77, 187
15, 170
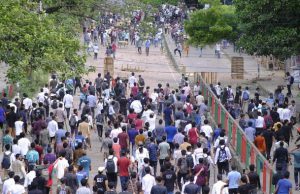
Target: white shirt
139, 157
131, 81
228, 154
27, 103
218, 89
41, 97
199, 99
60, 166
259, 122
9, 183
151, 122
286, 114
218, 141
17, 189
24, 144
19, 127
16, 149
29, 178
146, 114
115, 132
13, 105
187, 128
148, 181
52, 128
207, 130
136, 106
217, 187
111, 110
280, 112
154, 97
46, 90
68, 101
115, 161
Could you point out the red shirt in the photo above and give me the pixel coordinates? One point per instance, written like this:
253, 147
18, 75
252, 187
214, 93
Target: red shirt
138, 124
117, 149
134, 90
193, 136
123, 164
123, 137
39, 149
132, 116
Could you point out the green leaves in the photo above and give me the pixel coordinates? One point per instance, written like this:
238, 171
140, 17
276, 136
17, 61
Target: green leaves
270, 27
208, 26
30, 42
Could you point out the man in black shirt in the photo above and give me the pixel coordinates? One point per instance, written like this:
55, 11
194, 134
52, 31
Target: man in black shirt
281, 157
254, 179
71, 179
245, 187
100, 181
268, 135
169, 178
159, 188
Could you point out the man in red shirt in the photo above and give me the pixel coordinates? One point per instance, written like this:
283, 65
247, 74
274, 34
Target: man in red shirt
124, 164
132, 115
116, 147
123, 139
134, 90
39, 149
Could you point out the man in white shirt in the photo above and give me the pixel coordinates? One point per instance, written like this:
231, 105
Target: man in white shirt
218, 187
24, 144
199, 99
286, 114
280, 112
259, 123
131, 80
17, 188
68, 102
9, 183
148, 181
27, 102
41, 96
19, 125
45, 89
207, 129
61, 165
136, 106
218, 89
52, 128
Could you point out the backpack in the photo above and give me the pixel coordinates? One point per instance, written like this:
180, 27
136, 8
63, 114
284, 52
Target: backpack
73, 121
141, 82
245, 95
110, 165
99, 119
292, 79
54, 104
222, 155
37, 112
6, 161
184, 166
190, 161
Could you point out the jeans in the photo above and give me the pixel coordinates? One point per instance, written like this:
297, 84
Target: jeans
296, 175
233, 191
68, 112
124, 181
80, 103
179, 176
289, 93
154, 165
147, 51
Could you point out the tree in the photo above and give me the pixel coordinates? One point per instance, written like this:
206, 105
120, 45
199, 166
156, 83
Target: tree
34, 42
270, 27
208, 26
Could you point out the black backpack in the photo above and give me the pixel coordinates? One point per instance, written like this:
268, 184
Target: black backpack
190, 161
6, 161
54, 104
110, 165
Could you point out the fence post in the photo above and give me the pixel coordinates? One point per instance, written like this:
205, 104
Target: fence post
244, 149
248, 154
238, 140
226, 122
219, 113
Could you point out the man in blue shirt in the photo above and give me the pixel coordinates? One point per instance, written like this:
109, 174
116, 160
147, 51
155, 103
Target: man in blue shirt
284, 186
233, 180
168, 115
32, 155
171, 132
81, 174
85, 162
132, 133
152, 148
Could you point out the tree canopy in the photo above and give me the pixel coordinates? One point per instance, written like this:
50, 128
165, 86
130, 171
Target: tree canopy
208, 26
32, 42
270, 27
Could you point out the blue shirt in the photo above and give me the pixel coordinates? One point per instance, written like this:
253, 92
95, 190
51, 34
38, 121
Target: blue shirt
234, 179
253, 123
32, 156
132, 133
152, 148
60, 133
81, 175
284, 185
2, 113
85, 162
171, 132
217, 132
148, 43
167, 114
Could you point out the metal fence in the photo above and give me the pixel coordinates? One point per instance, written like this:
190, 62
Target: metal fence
245, 150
